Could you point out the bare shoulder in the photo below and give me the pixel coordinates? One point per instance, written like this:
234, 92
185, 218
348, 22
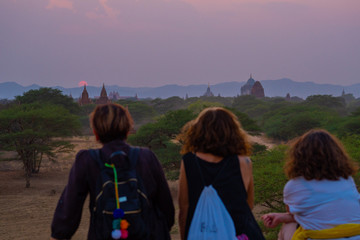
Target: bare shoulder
244, 160
246, 172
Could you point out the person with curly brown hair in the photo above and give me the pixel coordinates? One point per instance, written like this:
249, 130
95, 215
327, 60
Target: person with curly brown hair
216, 147
321, 196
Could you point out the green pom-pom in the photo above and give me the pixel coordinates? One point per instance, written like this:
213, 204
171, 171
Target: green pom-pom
116, 223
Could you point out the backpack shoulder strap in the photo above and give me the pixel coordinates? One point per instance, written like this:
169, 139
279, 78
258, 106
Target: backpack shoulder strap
133, 156
95, 154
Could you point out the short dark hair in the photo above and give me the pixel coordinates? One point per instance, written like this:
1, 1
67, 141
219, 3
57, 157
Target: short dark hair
111, 121
217, 131
318, 155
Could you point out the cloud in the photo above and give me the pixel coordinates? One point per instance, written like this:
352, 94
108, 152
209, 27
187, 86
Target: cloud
111, 12
67, 4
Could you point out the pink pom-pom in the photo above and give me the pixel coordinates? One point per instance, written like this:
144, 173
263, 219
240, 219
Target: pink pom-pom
124, 233
242, 237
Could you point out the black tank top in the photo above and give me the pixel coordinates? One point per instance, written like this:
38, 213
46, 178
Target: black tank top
229, 186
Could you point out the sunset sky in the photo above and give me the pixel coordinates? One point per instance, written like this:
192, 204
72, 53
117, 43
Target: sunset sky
157, 42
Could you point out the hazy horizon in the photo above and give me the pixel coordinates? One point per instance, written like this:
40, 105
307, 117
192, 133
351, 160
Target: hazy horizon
100, 84
151, 43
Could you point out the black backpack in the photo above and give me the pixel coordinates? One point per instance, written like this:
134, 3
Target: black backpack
108, 221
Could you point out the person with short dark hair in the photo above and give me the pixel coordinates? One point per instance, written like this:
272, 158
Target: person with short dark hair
215, 142
111, 124
321, 196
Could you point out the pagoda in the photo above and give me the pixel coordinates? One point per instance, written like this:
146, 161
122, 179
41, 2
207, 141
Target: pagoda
103, 99
84, 99
208, 92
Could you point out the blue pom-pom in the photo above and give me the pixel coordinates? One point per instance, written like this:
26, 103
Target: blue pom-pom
118, 213
116, 234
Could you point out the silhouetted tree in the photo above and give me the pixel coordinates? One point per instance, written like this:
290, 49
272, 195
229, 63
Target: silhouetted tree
49, 96
36, 130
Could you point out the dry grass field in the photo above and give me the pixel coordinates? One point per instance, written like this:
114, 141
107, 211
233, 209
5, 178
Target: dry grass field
26, 213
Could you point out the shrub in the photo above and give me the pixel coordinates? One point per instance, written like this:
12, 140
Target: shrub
269, 177
351, 144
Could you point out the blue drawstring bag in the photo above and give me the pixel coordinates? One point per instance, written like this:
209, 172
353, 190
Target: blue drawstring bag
211, 219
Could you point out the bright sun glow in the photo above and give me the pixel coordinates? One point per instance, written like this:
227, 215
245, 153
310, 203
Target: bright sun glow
82, 83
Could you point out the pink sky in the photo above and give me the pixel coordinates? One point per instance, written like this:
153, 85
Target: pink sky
158, 42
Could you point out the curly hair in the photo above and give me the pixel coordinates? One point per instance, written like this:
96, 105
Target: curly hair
216, 131
318, 155
111, 121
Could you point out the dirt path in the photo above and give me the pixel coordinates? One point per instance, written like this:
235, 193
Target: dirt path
27, 213
263, 140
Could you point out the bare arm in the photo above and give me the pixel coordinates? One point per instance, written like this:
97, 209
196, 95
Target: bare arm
183, 201
272, 220
248, 180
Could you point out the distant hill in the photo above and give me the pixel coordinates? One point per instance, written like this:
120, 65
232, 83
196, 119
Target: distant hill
272, 88
11, 89
304, 89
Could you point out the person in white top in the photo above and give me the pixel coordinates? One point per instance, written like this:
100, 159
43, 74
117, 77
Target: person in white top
321, 194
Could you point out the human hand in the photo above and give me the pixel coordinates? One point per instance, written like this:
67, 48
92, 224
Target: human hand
272, 220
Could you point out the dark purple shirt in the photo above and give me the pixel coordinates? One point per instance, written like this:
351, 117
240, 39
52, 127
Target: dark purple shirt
82, 180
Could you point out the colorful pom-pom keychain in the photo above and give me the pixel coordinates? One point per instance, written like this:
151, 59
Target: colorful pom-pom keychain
242, 237
120, 225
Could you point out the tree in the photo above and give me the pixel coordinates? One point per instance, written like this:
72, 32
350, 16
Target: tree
35, 131
354, 106
164, 129
292, 121
5, 103
224, 101
49, 96
246, 122
327, 101
164, 105
147, 136
350, 125
356, 112
243, 103
199, 105
348, 98
251, 105
170, 124
141, 112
